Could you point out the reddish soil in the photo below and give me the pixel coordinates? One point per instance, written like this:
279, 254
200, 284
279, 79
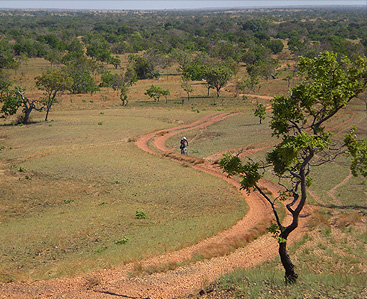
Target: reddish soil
180, 281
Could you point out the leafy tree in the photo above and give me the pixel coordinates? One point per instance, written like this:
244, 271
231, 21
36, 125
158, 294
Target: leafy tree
275, 45
260, 112
80, 71
115, 61
97, 47
300, 121
52, 83
115, 81
130, 76
13, 99
186, 86
155, 92
166, 93
53, 57
250, 84
144, 68
217, 77
6, 57
123, 95
118, 82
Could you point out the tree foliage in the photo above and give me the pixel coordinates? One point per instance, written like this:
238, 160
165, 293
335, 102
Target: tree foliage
13, 99
217, 76
53, 83
260, 112
300, 121
155, 92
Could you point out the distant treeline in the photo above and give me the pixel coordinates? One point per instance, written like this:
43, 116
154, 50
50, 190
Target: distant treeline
240, 35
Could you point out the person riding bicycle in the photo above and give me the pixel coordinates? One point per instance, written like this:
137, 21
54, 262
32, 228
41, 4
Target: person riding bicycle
184, 142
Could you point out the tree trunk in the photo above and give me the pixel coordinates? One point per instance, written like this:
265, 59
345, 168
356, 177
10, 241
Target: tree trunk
27, 113
290, 275
47, 111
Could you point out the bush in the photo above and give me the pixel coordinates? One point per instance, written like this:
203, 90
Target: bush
140, 215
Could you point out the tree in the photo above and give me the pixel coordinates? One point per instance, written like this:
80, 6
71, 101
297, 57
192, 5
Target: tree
155, 92
13, 99
217, 77
53, 56
53, 83
166, 93
186, 86
143, 67
123, 95
299, 120
275, 45
130, 76
260, 112
80, 72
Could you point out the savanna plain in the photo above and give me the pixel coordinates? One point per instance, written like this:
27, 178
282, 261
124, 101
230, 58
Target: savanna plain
78, 195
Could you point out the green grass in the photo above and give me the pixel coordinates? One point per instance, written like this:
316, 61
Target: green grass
73, 208
235, 132
81, 186
266, 282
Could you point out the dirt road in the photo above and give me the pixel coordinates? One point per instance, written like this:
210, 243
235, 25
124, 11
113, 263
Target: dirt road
192, 277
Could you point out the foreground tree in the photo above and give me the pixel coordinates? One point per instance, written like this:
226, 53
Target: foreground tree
53, 83
300, 120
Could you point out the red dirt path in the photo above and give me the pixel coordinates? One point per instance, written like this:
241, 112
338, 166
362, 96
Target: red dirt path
174, 283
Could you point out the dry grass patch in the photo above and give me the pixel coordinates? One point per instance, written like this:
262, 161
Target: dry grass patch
230, 244
317, 219
184, 158
345, 220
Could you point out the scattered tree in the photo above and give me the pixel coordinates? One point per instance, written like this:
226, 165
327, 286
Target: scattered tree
299, 119
52, 83
186, 86
260, 112
155, 92
13, 99
217, 77
144, 68
123, 95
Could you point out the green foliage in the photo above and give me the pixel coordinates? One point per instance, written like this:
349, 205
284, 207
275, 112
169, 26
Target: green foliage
122, 241
276, 231
276, 46
155, 92
260, 112
140, 214
217, 76
53, 82
357, 150
143, 67
80, 70
329, 85
13, 99
186, 86
232, 165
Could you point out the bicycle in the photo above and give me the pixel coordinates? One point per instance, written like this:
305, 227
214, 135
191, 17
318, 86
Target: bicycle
184, 151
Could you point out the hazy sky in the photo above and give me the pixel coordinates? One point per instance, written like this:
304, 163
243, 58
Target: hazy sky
169, 4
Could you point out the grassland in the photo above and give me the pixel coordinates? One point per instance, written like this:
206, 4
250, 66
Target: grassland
71, 188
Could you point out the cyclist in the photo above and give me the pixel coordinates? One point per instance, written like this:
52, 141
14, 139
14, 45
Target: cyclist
183, 144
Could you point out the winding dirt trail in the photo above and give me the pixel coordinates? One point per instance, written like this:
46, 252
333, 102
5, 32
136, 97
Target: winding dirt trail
116, 282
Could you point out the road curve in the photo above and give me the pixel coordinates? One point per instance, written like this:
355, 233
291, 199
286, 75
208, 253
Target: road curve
117, 282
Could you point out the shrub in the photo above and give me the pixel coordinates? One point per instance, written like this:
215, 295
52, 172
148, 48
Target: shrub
140, 215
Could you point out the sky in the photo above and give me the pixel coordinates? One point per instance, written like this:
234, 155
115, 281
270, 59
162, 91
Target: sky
170, 4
